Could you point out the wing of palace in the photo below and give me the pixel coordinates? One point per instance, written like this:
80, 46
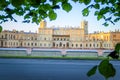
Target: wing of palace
75, 38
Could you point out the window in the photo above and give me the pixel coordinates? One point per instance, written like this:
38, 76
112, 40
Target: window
35, 44
31, 44
60, 44
67, 44
93, 45
97, 45
31, 38
86, 45
80, 45
35, 38
2, 36
28, 44
90, 45
40, 44
53, 44
68, 39
6, 36
49, 45
16, 44
76, 45
44, 38
72, 45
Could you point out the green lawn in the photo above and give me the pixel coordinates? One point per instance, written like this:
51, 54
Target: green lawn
54, 57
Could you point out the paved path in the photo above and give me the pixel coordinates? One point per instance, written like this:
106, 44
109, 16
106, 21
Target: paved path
40, 69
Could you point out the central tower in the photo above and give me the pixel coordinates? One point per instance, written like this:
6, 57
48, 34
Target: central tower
43, 24
84, 25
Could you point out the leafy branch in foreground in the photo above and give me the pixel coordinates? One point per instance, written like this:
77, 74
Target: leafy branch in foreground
35, 10
105, 68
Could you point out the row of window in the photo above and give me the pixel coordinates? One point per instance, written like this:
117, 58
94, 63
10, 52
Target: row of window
61, 39
54, 45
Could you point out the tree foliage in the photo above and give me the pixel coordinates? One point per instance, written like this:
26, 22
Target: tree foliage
35, 10
105, 68
117, 48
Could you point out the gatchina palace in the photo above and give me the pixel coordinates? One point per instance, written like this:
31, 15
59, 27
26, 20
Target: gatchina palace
66, 38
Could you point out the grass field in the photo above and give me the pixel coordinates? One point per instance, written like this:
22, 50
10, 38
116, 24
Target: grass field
46, 57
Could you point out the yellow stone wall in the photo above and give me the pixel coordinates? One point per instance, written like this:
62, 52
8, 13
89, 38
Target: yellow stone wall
60, 38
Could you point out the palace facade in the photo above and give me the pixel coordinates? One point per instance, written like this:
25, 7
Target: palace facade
75, 38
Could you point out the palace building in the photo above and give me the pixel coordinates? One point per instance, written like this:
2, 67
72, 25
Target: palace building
69, 38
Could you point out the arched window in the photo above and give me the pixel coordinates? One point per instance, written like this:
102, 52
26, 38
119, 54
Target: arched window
76, 45
35, 44
40, 44
6, 36
60, 44
13, 36
72, 45
90, 45
97, 45
2, 36
31, 38
28, 44
44, 38
93, 45
53, 44
67, 44
86, 45
31, 44
80, 45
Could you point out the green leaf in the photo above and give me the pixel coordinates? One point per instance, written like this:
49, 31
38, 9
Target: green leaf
26, 16
45, 7
0, 28
81, 1
96, 6
106, 69
105, 24
96, 13
85, 12
86, 2
66, 6
75, 0
97, 1
92, 71
42, 1
112, 1
117, 19
56, 7
117, 48
52, 15
99, 17
17, 3
3, 4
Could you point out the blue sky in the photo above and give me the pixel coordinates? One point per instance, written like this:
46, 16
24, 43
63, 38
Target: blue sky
73, 18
